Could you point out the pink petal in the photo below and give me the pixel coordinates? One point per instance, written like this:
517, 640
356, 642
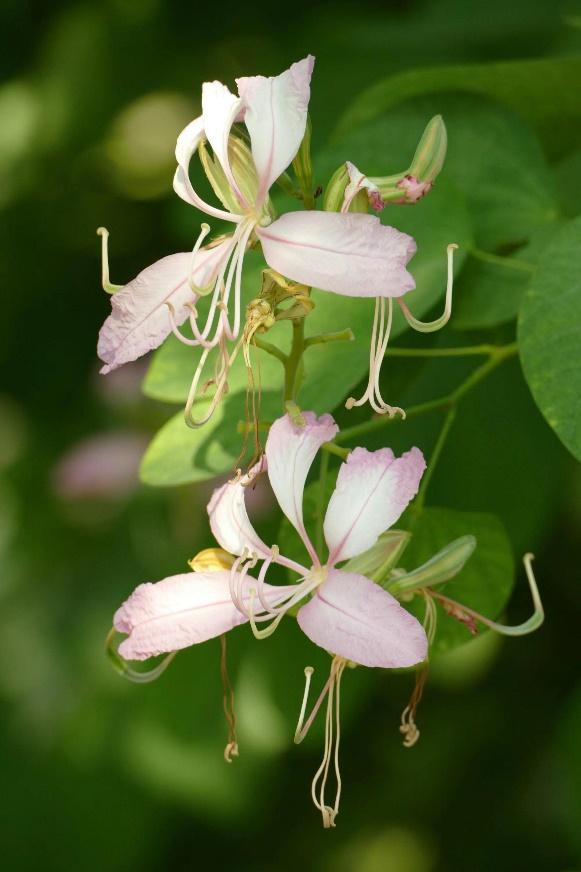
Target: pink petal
373, 489
356, 619
276, 118
179, 611
290, 451
359, 182
101, 467
351, 254
139, 320
229, 520
220, 108
187, 144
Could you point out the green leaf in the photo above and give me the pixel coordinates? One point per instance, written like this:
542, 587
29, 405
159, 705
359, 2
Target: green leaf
180, 455
549, 333
490, 292
544, 91
487, 579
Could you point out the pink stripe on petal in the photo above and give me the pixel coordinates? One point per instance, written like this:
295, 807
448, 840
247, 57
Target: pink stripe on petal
373, 489
351, 254
276, 117
356, 619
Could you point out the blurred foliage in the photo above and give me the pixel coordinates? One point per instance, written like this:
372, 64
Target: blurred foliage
99, 774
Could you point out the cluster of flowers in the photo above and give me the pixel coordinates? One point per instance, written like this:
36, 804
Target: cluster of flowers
341, 249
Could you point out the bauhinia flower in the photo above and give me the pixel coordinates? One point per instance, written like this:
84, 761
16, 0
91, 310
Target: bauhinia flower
346, 253
343, 612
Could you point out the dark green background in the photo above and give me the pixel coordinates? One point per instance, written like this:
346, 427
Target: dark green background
100, 775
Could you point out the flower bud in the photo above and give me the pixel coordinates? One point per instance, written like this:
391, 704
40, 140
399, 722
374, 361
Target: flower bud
441, 567
211, 560
335, 190
379, 560
410, 186
303, 167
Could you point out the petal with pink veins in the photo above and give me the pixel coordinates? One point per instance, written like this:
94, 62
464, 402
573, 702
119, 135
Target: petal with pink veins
180, 611
139, 319
356, 619
276, 117
290, 451
351, 254
373, 489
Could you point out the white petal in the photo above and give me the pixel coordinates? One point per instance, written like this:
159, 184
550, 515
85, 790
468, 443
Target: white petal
351, 616
186, 145
139, 319
276, 117
229, 520
290, 451
351, 254
373, 489
220, 108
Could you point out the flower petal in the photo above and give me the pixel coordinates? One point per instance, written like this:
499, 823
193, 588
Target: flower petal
186, 145
179, 611
276, 117
220, 108
229, 520
359, 182
351, 254
356, 619
139, 320
373, 489
290, 451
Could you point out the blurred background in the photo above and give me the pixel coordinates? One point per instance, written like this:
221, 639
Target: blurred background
97, 773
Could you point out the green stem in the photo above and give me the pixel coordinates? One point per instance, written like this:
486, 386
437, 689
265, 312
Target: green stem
500, 354
463, 351
346, 335
442, 436
321, 500
498, 260
293, 361
270, 349
333, 448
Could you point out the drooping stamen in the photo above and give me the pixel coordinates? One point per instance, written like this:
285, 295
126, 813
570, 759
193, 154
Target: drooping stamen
185, 340
221, 388
432, 326
123, 668
378, 346
199, 291
332, 736
238, 260
231, 749
108, 286
408, 727
529, 626
238, 576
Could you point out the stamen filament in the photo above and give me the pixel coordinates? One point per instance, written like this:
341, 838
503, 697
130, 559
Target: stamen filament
432, 326
107, 285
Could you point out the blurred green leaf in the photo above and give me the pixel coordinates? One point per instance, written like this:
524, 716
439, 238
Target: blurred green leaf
486, 581
544, 91
549, 333
490, 293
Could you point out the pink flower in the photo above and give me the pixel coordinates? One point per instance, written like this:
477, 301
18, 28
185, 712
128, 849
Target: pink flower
350, 254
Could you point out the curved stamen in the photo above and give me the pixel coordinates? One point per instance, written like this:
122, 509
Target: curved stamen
332, 724
108, 286
238, 281
123, 668
205, 229
432, 326
529, 626
185, 340
220, 390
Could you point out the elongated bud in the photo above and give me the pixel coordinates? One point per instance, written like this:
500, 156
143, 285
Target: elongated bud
216, 177
335, 190
303, 167
440, 568
379, 560
211, 560
417, 181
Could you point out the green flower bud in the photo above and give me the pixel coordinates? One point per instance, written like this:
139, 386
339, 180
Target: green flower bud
441, 567
379, 560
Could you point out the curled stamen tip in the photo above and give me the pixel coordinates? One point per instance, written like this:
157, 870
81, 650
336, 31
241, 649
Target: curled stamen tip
205, 227
230, 751
308, 671
102, 231
349, 403
411, 734
329, 815
452, 247
392, 411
